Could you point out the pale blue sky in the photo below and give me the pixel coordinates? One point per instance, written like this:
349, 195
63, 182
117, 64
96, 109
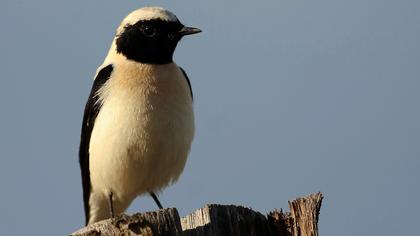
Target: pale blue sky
291, 97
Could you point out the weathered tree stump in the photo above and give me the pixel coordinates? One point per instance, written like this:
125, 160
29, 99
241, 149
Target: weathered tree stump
214, 220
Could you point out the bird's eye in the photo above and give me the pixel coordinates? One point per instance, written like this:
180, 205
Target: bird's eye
148, 31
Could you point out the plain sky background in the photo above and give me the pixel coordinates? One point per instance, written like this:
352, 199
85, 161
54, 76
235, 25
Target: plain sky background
291, 97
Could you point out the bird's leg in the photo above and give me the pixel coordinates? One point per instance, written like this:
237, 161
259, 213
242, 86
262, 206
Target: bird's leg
111, 205
156, 199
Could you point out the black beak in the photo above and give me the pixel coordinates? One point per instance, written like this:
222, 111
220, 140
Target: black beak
188, 30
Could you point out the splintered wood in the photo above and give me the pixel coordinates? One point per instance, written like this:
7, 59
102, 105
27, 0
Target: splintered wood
305, 214
214, 219
225, 220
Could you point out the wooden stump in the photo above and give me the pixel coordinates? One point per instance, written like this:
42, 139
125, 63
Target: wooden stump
225, 220
302, 219
161, 222
214, 220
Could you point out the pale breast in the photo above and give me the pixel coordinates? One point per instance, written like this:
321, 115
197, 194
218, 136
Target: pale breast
144, 130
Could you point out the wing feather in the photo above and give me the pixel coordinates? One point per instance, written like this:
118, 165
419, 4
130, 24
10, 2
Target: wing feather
188, 81
92, 109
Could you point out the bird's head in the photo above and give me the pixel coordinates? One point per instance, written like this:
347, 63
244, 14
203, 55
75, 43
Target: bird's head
150, 35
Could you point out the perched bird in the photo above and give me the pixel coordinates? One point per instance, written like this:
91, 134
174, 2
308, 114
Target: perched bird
138, 122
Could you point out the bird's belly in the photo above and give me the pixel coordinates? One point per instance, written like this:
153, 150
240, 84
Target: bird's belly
139, 144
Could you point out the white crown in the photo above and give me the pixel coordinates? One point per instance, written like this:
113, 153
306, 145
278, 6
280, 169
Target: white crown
149, 13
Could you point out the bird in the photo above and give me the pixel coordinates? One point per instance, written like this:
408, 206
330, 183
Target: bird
138, 122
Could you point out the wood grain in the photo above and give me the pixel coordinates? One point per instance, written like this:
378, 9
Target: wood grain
214, 220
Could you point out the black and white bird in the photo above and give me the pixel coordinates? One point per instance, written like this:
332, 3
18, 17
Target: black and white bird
138, 123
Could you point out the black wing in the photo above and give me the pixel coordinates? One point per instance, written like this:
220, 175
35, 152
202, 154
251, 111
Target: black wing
91, 111
188, 81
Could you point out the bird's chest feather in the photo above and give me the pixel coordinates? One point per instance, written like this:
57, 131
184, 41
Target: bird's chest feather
145, 125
